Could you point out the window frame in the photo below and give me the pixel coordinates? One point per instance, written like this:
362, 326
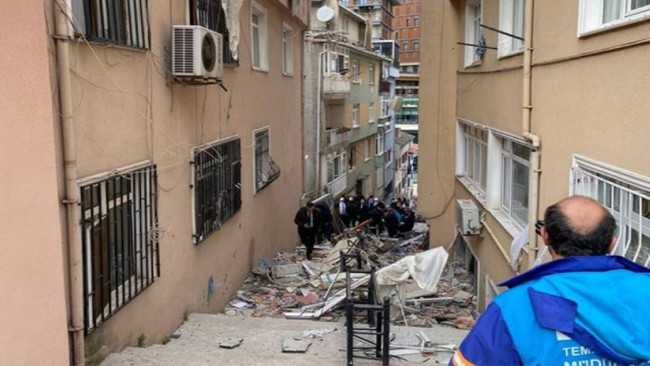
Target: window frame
132, 32
263, 37
258, 185
287, 50
508, 160
236, 187
472, 29
631, 190
141, 201
372, 74
356, 115
509, 46
356, 70
590, 17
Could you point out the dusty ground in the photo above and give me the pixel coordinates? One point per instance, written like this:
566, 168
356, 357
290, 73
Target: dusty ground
199, 339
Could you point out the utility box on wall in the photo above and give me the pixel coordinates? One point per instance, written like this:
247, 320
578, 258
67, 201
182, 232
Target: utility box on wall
468, 217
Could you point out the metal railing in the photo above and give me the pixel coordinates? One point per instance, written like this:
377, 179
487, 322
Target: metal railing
336, 84
630, 207
121, 22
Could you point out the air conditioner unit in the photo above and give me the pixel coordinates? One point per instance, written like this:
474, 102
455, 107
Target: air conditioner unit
197, 53
468, 217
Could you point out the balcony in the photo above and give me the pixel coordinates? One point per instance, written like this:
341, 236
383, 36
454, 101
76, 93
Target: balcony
336, 86
335, 137
385, 108
338, 185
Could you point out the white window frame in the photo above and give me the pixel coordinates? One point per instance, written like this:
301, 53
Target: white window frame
371, 74
508, 159
356, 115
508, 17
473, 147
473, 31
356, 71
379, 143
591, 13
263, 34
366, 150
341, 158
372, 112
287, 50
625, 194
266, 128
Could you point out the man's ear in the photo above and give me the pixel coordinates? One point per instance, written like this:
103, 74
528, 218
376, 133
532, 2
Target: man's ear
612, 244
544, 234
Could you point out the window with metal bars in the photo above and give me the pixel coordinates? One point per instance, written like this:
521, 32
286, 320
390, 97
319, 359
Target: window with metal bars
217, 186
211, 14
120, 22
626, 196
120, 241
266, 170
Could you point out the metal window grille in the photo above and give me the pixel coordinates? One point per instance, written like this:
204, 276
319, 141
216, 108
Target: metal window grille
211, 14
266, 170
120, 241
629, 204
121, 22
217, 187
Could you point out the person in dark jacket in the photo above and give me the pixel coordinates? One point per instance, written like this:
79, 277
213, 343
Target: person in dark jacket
307, 221
353, 211
585, 307
325, 222
392, 220
408, 220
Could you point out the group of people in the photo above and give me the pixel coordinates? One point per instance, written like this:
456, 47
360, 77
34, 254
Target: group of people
396, 218
315, 221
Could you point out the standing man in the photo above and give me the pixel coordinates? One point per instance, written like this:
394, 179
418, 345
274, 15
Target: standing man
325, 221
308, 222
582, 308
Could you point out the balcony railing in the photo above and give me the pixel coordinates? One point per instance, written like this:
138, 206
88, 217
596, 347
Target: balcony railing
338, 185
336, 84
335, 137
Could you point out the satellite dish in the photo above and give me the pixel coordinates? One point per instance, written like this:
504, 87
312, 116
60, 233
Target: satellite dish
325, 14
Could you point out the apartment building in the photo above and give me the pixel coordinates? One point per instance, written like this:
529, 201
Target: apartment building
344, 134
405, 175
137, 194
551, 105
406, 24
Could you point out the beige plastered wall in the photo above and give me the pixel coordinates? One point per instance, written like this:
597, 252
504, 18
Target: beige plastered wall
32, 268
128, 110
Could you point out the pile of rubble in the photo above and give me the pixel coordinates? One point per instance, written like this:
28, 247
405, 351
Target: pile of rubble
289, 286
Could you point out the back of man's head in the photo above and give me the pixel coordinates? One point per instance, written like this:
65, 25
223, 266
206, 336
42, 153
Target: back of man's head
579, 226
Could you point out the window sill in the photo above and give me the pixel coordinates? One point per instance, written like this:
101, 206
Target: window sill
474, 64
477, 193
617, 24
510, 54
356, 126
260, 69
356, 82
287, 74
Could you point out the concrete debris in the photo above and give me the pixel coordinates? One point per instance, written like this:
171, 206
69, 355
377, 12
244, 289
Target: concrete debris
295, 345
230, 343
431, 287
318, 333
287, 270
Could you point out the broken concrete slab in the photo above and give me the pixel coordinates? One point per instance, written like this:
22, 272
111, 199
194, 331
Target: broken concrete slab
230, 343
295, 345
287, 270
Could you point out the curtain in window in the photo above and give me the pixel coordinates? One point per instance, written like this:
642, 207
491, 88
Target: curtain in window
612, 10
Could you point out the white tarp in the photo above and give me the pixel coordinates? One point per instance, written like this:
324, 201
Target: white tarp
425, 268
517, 246
231, 8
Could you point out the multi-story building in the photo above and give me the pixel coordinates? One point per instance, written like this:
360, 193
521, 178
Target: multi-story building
552, 106
379, 14
407, 33
343, 139
133, 195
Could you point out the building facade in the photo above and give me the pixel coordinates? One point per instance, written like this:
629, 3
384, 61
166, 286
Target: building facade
405, 175
407, 34
514, 122
156, 193
344, 132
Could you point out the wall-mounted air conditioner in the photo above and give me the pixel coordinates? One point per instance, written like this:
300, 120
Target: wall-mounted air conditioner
468, 217
197, 53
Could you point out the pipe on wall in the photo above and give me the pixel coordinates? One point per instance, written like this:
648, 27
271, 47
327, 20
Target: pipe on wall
527, 110
64, 32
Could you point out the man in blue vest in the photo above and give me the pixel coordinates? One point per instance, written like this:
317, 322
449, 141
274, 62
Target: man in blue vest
582, 308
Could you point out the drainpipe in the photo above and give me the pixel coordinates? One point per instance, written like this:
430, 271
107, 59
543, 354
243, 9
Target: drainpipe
64, 33
527, 110
319, 94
